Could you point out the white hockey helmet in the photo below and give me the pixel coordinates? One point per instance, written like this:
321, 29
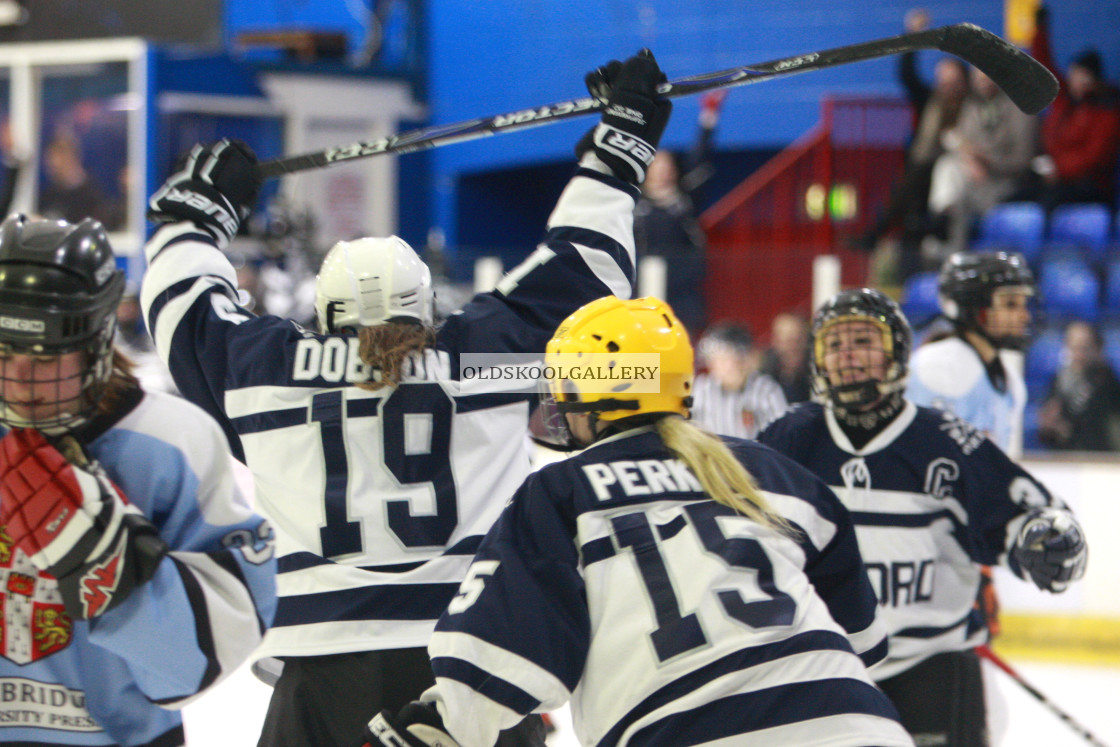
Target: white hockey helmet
371, 281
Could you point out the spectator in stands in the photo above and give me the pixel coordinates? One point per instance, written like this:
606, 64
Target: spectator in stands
988, 162
1082, 409
1080, 132
787, 358
70, 194
665, 222
734, 398
937, 110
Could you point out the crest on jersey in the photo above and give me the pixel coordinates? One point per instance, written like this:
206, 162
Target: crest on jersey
34, 623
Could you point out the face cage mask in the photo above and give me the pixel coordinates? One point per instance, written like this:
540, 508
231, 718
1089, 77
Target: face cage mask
549, 427
49, 411
858, 396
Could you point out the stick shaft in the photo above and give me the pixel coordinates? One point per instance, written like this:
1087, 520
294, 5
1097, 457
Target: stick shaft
1030, 85
987, 653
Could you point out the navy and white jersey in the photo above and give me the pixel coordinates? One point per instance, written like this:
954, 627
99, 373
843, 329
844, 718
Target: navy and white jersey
666, 618
380, 497
741, 413
949, 375
931, 499
120, 679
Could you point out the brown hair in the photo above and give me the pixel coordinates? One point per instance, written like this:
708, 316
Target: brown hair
383, 348
120, 381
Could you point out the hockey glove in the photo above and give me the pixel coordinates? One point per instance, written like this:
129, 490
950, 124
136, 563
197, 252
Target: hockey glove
216, 187
634, 118
1051, 549
417, 725
73, 523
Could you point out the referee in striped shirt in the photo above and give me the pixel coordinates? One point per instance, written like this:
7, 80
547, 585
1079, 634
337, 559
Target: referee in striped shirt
733, 398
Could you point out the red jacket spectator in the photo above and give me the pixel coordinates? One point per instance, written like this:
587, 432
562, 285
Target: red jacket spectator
1081, 132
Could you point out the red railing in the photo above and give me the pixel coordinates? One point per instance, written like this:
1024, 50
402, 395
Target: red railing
824, 188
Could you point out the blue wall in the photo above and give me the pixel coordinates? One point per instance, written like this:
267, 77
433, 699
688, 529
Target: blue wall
486, 57
490, 56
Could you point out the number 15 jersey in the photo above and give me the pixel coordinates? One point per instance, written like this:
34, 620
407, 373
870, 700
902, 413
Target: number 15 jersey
614, 581
380, 498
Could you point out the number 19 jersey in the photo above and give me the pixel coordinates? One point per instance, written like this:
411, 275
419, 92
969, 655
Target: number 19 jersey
380, 498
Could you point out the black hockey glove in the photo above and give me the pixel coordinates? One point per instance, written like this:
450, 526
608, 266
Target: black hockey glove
1051, 549
634, 118
215, 187
417, 725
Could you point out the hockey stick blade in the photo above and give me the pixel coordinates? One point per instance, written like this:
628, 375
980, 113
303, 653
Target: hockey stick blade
1027, 83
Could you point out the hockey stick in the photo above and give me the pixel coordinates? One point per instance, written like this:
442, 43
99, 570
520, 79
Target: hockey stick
1030, 85
987, 653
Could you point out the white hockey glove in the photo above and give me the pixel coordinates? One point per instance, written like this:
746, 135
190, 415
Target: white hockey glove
417, 725
634, 118
216, 187
73, 523
1050, 549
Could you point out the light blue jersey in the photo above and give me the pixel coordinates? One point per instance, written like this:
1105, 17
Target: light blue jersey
949, 375
120, 679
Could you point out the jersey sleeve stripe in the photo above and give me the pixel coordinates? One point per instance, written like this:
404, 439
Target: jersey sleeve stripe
203, 631
483, 682
520, 672
875, 654
605, 211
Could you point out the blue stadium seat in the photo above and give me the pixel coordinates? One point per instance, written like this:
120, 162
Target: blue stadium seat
1084, 225
1070, 289
1013, 226
919, 298
1044, 356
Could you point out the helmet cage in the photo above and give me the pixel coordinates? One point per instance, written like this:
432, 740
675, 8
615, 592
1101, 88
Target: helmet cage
59, 292
875, 308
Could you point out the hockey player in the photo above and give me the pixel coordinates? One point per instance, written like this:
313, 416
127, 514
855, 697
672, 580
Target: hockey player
133, 574
677, 587
931, 499
971, 373
380, 471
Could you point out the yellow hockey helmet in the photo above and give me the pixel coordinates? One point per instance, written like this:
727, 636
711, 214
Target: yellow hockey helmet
613, 329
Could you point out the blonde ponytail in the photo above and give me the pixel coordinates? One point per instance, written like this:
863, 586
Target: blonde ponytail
722, 476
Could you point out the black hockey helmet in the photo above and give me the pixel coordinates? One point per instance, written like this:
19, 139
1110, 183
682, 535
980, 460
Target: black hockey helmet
967, 282
862, 305
59, 291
